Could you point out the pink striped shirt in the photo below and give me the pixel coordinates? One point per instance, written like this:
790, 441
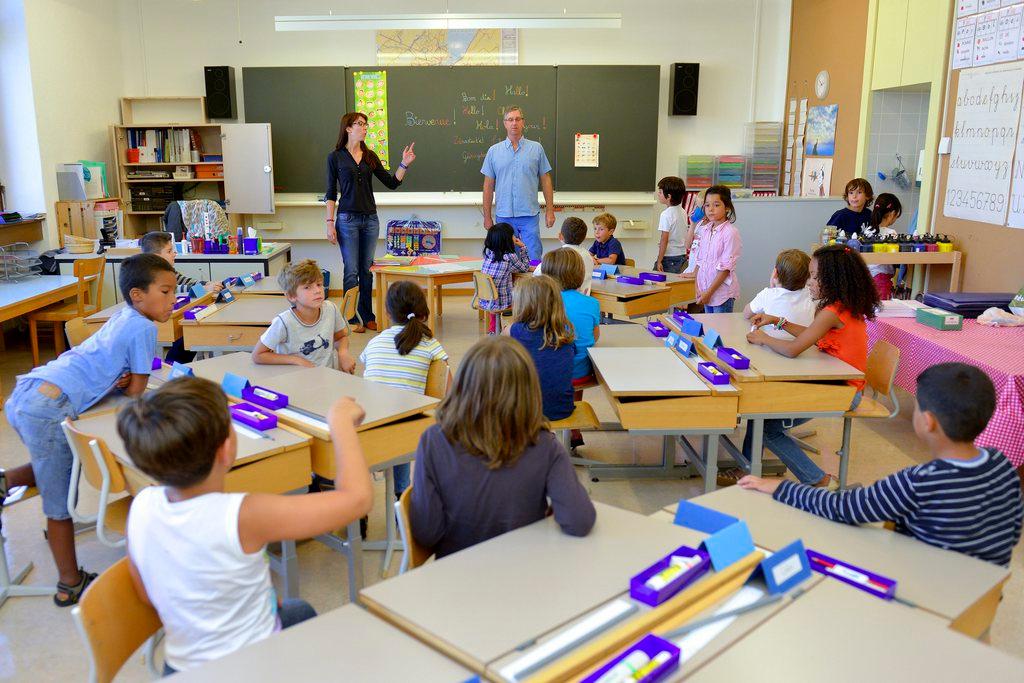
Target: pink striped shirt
720, 249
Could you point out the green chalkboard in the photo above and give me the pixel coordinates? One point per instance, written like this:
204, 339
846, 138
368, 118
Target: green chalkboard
619, 103
454, 114
303, 106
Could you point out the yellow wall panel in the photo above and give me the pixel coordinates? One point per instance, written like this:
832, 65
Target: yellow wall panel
890, 42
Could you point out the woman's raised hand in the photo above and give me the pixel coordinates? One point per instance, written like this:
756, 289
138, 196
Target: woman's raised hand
409, 154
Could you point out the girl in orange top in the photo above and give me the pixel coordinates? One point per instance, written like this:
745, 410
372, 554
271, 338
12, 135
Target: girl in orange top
841, 284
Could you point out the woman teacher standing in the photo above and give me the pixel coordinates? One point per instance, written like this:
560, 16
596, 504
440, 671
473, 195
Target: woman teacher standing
350, 170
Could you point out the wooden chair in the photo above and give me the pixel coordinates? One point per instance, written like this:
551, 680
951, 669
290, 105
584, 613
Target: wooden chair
414, 554
881, 376
484, 288
11, 586
78, 331
114, 622
103, 472
90, 272
437, 379
583, 417
629, 263
349, 308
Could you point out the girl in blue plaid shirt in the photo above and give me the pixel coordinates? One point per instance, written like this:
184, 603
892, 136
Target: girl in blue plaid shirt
504, 254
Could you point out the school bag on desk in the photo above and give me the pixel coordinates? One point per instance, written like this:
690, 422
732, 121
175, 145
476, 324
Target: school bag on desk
413, 237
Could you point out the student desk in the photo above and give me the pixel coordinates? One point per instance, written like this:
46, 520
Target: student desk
239, 363
431, 277
653, 390
482, 603
278, 464
389, 435
348, 642
630, 301
166, 332
958, 588
235, 326
838, 633
682, 289
266, 286
21, 297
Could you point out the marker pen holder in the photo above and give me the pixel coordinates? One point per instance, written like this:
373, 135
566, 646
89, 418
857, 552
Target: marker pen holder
654, 277
639, 590
645, 649
251, 416
629, 280
658, 329
264, 397
712, 373
733, 358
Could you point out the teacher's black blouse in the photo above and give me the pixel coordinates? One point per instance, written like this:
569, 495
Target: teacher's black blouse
353, 182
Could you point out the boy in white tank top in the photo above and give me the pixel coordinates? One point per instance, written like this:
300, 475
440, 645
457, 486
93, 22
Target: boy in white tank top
197, 554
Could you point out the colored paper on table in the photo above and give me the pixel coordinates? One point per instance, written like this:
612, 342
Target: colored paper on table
700, 518
180, 370
786, 568
686, 347
672, 340
712, 339
728, 545
197, 291
692, 327
233, 384
226, 296
610, 268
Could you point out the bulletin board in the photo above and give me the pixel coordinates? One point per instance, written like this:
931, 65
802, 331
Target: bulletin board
993, 253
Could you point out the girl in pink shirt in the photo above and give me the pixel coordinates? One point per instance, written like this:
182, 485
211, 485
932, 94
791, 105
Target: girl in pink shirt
720, 249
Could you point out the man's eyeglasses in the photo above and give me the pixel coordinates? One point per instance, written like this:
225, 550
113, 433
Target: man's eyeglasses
514, 119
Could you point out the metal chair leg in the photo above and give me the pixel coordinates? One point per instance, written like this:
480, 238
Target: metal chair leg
799, 438
844, 452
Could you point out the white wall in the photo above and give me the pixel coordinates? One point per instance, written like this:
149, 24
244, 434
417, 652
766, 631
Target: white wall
19, 143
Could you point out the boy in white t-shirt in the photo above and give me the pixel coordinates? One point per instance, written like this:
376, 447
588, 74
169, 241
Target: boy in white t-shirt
572, 234
198, 554
309, 331
672, 226
786, 296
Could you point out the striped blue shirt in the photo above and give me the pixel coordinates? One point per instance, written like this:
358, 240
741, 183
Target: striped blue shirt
973, 507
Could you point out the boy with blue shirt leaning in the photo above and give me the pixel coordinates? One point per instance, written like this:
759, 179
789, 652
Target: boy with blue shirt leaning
606, 249
967, 499
118, 356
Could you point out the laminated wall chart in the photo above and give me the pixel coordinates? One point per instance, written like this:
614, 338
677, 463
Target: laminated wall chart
372, 99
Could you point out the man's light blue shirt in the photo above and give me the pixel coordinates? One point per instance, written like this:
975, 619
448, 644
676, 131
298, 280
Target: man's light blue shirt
516, 176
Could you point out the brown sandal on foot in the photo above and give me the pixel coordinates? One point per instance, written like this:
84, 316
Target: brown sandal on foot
72, 593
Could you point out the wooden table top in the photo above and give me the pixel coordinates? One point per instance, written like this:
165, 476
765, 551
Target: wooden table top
25, 295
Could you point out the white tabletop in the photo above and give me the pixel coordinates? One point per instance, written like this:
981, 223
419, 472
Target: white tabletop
276, 249
812, 364
13, 292
239, 363
345, 644
266, 285
246, 310
942, 581
619, 290
488, 599
627, 335
835, 632
645, 371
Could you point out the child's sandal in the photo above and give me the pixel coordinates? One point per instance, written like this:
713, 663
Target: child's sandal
73, 593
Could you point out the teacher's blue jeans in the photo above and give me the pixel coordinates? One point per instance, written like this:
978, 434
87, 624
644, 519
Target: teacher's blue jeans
527, 228
357, 237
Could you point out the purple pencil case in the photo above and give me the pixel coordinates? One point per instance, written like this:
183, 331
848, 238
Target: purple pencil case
264, 397
869, 582
657, 329
733, 358
156, 364
250, 415
534, 262
181, 301
629, 280
639, 656
257, 276
712, 373
190, 314
639, 590
654, 277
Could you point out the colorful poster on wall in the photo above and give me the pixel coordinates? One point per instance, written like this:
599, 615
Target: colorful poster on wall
963, 42
371, 88
821, 131
985, 125
816, 180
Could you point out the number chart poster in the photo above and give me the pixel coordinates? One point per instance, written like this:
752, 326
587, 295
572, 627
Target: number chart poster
372, 99
984, 140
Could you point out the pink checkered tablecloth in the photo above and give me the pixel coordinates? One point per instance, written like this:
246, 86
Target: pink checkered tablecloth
999, 351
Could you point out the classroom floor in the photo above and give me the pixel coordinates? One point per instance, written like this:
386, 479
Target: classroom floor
38, 641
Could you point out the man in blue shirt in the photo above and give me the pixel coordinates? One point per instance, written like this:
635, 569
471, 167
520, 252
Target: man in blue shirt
512, 169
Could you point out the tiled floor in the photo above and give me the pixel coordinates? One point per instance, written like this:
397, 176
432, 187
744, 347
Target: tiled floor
38, 640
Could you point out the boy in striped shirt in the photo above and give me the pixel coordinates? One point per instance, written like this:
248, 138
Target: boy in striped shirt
966, 499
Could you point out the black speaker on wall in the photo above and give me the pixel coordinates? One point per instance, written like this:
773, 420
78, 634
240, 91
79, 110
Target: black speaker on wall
683, 89
220, 92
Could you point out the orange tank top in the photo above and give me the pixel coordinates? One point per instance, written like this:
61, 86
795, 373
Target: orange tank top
849, 343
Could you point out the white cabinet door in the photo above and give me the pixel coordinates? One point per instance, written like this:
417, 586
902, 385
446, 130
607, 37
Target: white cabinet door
248, 167
197, 270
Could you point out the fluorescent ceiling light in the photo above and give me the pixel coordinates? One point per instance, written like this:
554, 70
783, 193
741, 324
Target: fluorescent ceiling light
372, 22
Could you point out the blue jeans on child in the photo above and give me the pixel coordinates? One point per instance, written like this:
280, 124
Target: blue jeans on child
724, 307
36, 417
292, 611
526, 228
779, 442
401, 478
357, 237
673, 264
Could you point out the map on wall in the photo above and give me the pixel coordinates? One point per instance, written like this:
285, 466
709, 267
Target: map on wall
453, 47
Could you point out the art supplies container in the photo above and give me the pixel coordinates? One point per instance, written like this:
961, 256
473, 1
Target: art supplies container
654, 277
264, 397
638, 657
181, 301
712, 373
250, 246
157, 364
534, 262
869, 582
629, 280
733, 358
944, 244
680, 316
658, 329
251, 416
938, 319
190, 314
639, 585
197, 244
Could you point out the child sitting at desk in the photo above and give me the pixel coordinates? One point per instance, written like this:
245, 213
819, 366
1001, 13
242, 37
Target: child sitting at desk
572, 234
197, 553
504, 254
162, 244
966, 499
118, 356
490, 465
307, 333
839, 281
606, 249
539, 323
786, 295
400, 356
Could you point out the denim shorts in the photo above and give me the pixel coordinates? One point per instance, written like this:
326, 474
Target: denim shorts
36, 418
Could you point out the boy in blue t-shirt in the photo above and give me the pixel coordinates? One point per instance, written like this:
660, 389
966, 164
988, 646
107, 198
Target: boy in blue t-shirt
606, 249
118, 356
857, 216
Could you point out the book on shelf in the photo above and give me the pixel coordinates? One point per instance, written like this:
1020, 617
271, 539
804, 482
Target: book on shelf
166, 146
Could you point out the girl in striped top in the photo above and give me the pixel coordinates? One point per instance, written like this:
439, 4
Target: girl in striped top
400, 356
